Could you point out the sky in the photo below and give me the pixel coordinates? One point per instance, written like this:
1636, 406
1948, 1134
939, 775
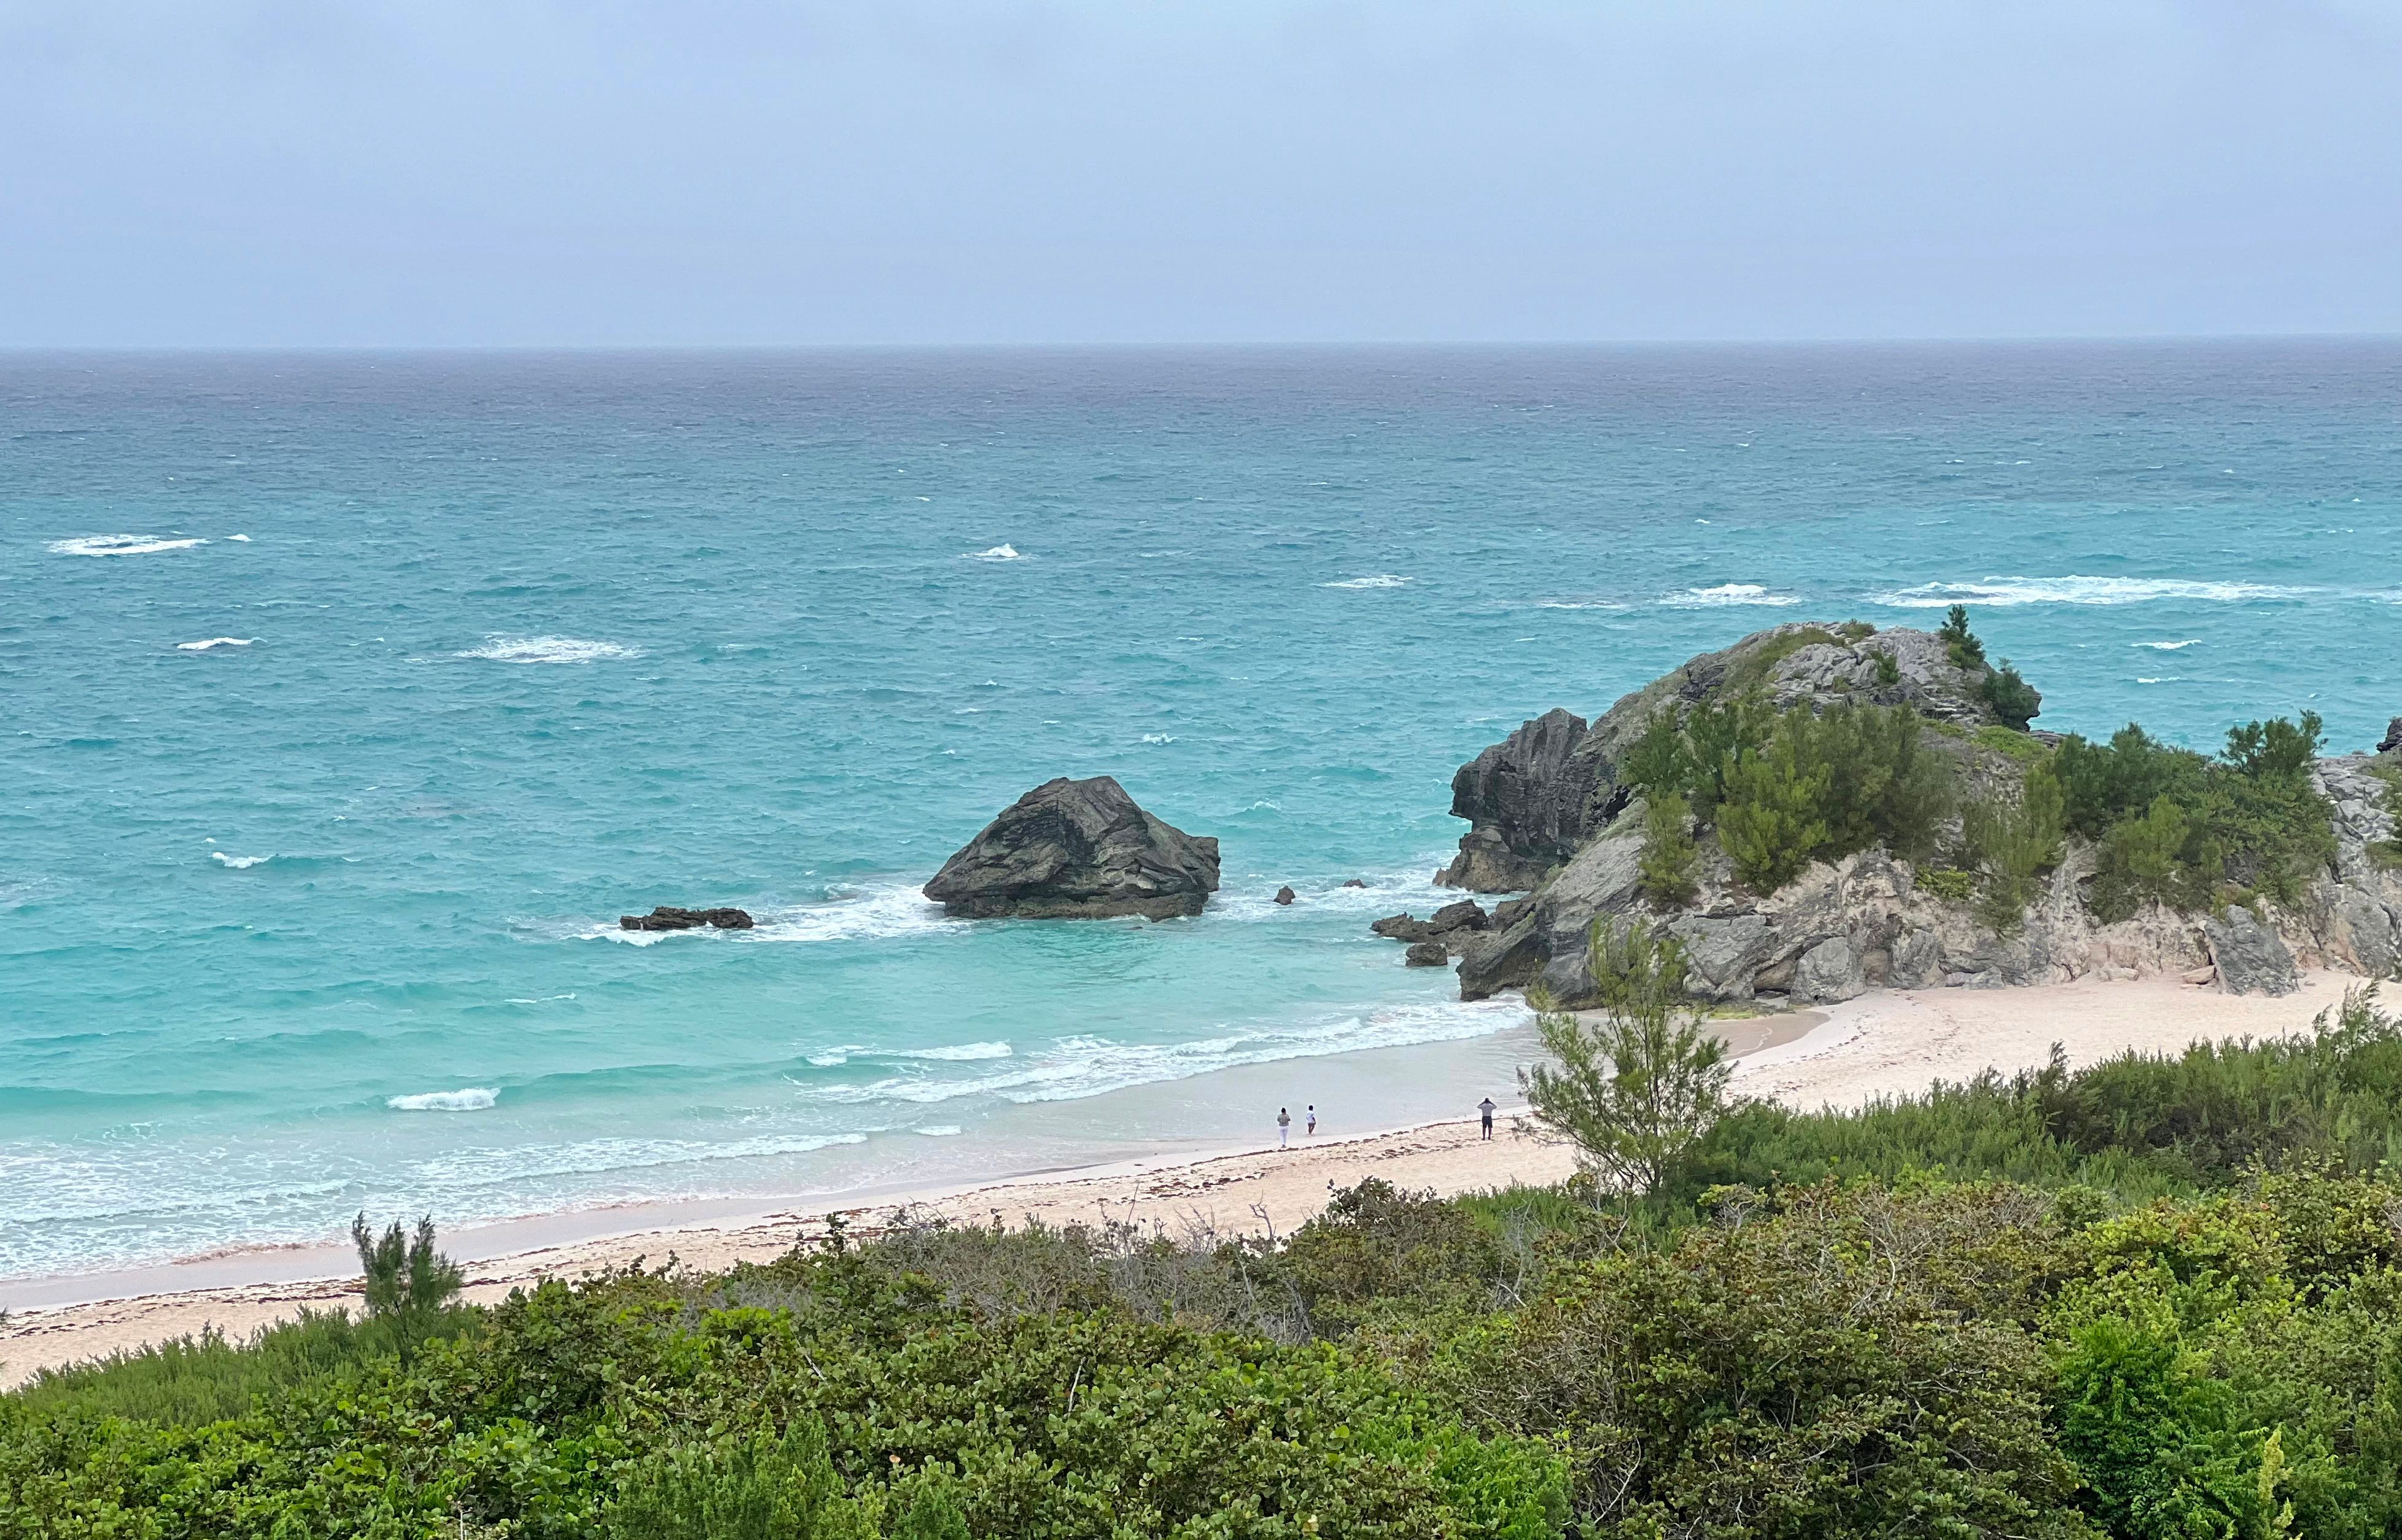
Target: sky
704, 172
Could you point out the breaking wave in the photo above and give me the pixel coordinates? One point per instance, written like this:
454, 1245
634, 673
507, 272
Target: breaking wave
2003, 592
1003, 552
120, 544
471, 1099
1378, 580
2168, 647
240, 863
547, 650
215, 642
1727, 594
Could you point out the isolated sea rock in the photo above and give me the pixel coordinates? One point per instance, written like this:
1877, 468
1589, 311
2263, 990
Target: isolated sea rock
1284, 895
1454, 926
1427, 954
1077, 849
667, 917
2250, 957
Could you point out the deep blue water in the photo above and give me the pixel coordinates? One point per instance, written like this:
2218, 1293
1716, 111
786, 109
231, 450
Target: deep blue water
513, 644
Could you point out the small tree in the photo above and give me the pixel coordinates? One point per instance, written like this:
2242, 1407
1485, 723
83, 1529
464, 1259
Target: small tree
1669, 856
2014, 841
1959, 641
1634, 1090
405, 1276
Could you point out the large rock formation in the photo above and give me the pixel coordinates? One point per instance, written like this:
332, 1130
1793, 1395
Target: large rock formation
1535, 799
1077, 849
1868, 921
668, 917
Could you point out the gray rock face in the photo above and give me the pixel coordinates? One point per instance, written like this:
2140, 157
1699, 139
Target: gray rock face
2251, 958
1521, 795
1427, 954
1077, 849
1284, 895
2393, 738
1829, 972
668, 917
1506, 959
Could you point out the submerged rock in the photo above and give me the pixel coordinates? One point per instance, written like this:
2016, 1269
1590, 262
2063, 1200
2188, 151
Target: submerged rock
1077, 849
667, 917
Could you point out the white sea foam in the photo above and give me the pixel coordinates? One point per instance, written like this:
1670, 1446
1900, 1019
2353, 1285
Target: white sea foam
2166, 679
939, 1130
872, 913
1576, 605
120, 544
240, 863
1003, 552
828, 1058
2003, 592
964, 1051
471, 1099
215, 642
1727, 594
1377, 580
243, 538
2170, 646
1158, 738
547, 650
512, 1166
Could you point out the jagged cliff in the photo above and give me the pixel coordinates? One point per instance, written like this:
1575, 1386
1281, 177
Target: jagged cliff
1552, 815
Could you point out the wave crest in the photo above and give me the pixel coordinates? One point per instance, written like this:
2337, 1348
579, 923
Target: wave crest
120, 544
1003, 552
1375, 581
2006, 592
547, 650
1726, 596
215, 642
468, 1099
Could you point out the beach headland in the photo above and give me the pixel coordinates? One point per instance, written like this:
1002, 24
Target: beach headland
1880, 1044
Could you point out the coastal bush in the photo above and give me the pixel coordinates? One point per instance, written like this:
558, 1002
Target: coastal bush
1669, 858
1634, 1089
2012, 841
1959, 641
2011, 698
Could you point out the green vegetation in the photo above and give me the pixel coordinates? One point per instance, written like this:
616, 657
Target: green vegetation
1669, 859
2002, 687
2154, 1298
1634, 1090
2012, 841
1787, 788
2190, 832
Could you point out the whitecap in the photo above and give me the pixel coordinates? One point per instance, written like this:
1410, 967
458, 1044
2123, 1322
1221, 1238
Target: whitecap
1003, 552
2002, 592
240, 863
939, 1130
2168, 647
119, 545
1727, 594
2167, 679
827, 1059
963, 1052
243, 538
547, 650
1158, 738
471, 1099
1576, 605
215, 642
1378, 580
873, 913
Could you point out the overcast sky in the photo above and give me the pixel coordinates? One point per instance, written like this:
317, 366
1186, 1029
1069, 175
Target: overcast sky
761, 172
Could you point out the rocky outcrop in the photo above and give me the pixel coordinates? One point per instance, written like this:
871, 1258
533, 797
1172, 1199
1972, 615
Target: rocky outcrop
1284, 895
1526, 805
1451, 927
1427, 954
2393, 738
667, 917
1077, 849
2249, 956
1538, 796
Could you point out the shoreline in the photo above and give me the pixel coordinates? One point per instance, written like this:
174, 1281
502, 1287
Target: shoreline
1882, 1043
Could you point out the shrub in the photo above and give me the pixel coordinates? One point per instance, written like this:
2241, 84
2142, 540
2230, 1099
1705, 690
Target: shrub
2012, 842
1947, 884
2011, 698
1669, 857
1634, 1090
1965, 651
2142, 860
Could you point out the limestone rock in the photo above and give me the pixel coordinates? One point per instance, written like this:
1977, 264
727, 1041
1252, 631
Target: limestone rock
2393, 738
1427, 954
1354, 882
1521, 791
1403, 927
1829, 972
1505, 958
1284, 895
667, 917
1077, 850
2250, 957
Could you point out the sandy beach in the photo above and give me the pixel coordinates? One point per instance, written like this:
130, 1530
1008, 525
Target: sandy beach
1882, 1043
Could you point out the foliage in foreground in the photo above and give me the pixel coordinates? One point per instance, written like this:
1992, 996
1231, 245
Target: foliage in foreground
2155, 1298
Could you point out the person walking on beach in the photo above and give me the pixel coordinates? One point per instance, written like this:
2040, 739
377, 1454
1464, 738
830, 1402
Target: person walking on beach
1312, 1128
1485, 1107
1284, 1126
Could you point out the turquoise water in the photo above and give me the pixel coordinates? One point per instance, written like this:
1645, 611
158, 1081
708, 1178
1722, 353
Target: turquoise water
322, 916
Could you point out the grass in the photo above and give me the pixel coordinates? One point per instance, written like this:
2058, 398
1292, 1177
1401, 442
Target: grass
2018, 745
1752, 670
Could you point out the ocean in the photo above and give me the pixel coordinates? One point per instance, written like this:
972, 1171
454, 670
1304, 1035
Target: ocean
351, 698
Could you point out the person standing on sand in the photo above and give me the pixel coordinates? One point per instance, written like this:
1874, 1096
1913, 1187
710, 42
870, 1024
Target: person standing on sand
1312, 1128
1485, 1107
1284, 1126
